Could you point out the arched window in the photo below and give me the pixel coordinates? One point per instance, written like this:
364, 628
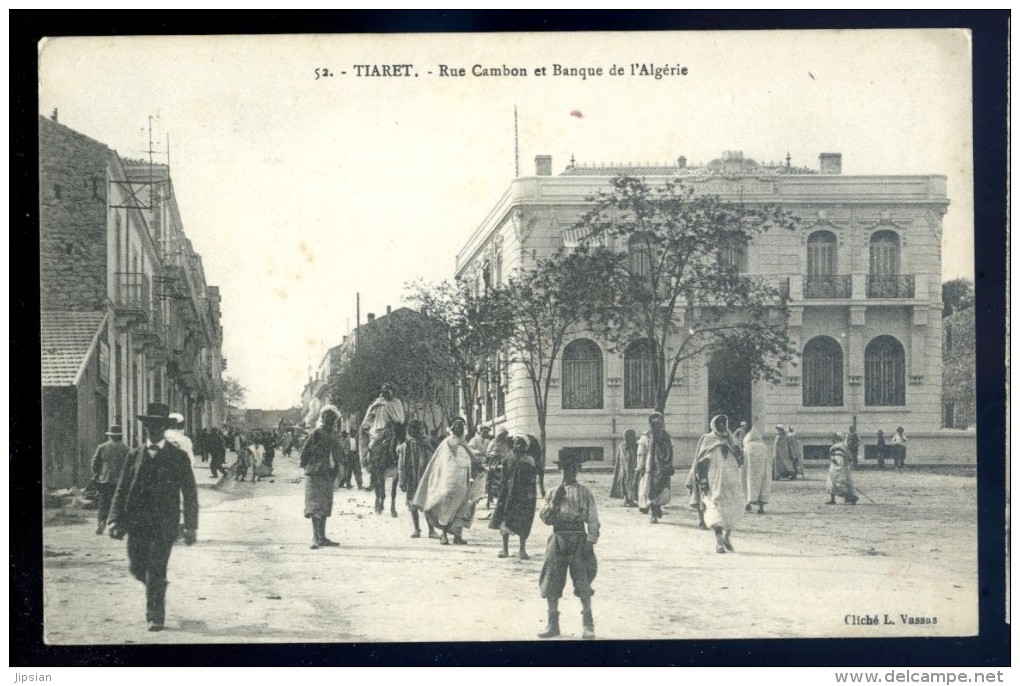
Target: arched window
582, 375
639, 374
884, 372
884, 253
640, 252
884, 279
821, 254
823, 373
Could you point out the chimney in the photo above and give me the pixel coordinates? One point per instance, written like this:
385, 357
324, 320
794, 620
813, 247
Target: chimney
681, 162
830, 163
344, 339
371, 317
54, 117
387, 309
543, 165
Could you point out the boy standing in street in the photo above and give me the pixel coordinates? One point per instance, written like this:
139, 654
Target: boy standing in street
570, 510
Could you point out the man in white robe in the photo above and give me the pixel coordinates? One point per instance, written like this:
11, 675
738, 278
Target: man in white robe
448, 489
757, 470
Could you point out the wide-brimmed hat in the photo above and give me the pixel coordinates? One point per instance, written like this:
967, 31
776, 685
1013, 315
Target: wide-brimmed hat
115, 430
156, 411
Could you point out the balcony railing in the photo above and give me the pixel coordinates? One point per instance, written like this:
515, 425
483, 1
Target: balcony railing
151, 331
132, 292
779, 283
899, 286
829, 287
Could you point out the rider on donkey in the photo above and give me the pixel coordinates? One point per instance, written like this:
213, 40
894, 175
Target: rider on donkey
382, 430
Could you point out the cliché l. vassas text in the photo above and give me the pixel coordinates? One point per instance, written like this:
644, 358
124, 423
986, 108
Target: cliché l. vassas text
886, 620
653, 70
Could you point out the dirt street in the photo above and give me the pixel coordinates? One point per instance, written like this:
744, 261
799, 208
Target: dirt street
802, 570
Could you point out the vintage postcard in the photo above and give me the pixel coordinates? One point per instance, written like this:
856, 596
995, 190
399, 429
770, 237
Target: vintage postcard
508, 337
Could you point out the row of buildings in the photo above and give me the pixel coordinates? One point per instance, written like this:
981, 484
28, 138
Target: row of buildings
318, 391
863, 274
127, 317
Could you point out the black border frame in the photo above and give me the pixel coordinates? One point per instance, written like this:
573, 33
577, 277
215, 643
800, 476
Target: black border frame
990, 31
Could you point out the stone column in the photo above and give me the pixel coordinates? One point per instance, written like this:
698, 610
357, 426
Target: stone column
795, 320
855, 356
918, 343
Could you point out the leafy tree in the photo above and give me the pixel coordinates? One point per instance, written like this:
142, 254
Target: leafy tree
546, 305
672, 264
232, 391
957, 295
398, 349
473, 329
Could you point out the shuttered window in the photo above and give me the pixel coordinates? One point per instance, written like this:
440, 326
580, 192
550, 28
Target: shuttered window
884, 372
821, 254
885, 254
823, 373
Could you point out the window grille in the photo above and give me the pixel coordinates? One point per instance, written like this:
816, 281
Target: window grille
582, 375
639, 374
884, 373
823, 373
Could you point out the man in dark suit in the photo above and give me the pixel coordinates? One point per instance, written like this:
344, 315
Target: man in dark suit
147, 508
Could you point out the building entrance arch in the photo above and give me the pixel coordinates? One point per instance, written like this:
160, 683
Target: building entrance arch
729, 387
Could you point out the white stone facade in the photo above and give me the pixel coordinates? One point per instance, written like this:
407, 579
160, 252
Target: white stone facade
534, 217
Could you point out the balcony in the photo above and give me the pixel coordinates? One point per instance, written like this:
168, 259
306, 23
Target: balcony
150, 332
131, 295
899, 286
779, 283
834, 287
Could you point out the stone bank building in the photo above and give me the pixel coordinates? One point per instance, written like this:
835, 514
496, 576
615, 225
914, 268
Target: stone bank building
862, 271
126, 315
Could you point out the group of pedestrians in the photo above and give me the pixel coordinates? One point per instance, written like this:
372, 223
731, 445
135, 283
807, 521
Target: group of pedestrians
444, 482
142, 492
644, 468
643, 472
732, 472
256, 452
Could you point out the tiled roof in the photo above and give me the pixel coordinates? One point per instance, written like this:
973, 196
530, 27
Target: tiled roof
65, 340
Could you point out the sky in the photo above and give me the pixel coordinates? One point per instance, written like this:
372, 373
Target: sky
300, 192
